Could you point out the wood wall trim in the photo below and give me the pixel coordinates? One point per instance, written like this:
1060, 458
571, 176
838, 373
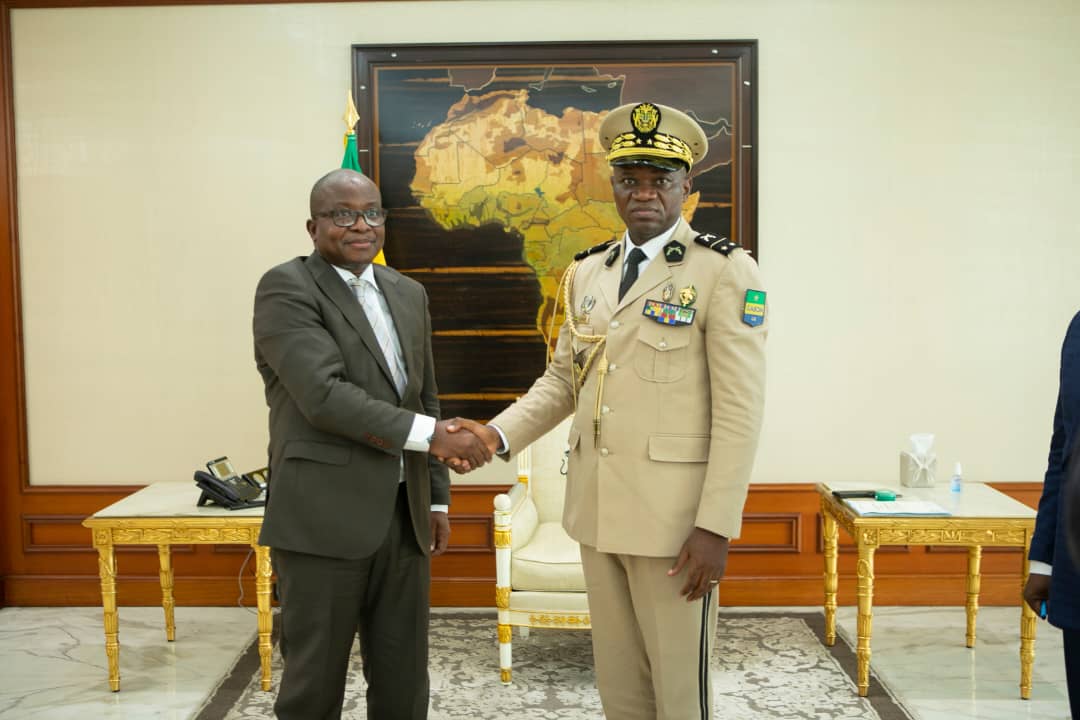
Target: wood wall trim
12, 410
31, 522
116, 490
998, 589
779, 561
35, 4
789, 523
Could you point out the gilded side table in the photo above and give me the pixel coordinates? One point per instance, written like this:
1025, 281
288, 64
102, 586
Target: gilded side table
980, 516
165, 514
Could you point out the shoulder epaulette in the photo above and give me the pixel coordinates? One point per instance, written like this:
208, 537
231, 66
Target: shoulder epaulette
720, 244
593, 250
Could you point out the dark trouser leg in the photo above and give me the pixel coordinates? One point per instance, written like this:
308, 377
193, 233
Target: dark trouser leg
320, 599
394, 626
1072, 669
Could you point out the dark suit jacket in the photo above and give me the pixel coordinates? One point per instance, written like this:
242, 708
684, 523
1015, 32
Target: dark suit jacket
337, 424
1049, 543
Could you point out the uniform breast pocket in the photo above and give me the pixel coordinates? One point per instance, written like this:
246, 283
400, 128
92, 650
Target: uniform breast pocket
662, 352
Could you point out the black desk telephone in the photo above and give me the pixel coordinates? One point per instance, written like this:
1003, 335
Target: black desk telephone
223, 486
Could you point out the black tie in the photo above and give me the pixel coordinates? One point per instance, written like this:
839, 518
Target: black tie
632, 261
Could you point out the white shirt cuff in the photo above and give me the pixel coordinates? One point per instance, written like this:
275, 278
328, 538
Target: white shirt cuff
440, 508
504, 447
423, 427
1037, 567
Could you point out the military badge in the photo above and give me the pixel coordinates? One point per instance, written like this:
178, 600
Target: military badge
668, 293
754, 308
674, 251
579, 361
687, 296
667, 313
587, 304
645, 118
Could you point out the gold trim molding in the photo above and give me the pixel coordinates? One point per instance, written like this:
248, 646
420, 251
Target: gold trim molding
546, 620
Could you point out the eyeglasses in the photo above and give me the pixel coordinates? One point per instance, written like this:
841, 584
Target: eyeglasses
341, 217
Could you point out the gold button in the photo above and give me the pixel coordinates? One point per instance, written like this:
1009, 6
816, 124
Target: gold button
605, 410
604, 452
612, 367
663, 344
614, 323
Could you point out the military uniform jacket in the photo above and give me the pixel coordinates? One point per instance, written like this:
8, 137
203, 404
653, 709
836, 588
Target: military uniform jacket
681, 406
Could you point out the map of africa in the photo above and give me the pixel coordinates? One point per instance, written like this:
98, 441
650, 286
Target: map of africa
489, 165
496, 159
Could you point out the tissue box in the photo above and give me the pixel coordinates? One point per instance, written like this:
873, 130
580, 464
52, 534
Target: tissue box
917, 472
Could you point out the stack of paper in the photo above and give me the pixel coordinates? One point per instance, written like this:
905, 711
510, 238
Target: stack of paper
897, 508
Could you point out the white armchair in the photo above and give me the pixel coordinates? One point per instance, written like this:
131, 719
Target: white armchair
539, 582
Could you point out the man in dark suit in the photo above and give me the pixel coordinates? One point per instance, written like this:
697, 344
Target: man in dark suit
1054, 578
356, 504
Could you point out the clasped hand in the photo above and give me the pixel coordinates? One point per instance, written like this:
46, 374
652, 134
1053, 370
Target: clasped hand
463, 451
464, 444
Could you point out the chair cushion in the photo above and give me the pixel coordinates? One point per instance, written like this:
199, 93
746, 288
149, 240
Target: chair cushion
549, 561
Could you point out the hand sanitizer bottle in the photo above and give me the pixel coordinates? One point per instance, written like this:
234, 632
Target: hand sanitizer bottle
955, 483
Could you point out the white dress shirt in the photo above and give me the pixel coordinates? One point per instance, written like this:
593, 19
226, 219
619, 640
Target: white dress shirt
423, 426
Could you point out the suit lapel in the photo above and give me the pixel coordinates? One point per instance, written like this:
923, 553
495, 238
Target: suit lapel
328, 280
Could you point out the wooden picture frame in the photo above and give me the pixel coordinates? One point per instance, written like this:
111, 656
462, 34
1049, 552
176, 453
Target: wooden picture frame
489, 165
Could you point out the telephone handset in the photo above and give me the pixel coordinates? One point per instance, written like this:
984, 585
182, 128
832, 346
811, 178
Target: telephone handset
223, 486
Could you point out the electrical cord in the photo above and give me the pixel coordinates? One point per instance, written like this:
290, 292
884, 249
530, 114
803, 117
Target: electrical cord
240, 583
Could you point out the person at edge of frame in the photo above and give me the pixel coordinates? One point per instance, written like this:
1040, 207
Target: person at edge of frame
1052, 589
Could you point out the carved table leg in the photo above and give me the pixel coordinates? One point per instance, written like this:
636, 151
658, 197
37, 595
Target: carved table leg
1027, 632
865, 593
263, 572
829, 533
973, 580
167, 591
107, 570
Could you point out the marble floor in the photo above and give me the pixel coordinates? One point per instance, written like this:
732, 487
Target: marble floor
54, 666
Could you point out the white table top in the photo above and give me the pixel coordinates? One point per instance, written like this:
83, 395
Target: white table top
975, 500
170, 499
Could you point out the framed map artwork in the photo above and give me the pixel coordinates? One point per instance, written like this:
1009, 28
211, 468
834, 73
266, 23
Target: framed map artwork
489, 164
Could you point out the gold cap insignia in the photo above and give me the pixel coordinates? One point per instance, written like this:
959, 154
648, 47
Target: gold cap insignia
652, 134
687, 296
645, 117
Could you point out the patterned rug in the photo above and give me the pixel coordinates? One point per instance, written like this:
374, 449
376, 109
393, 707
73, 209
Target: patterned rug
763, 666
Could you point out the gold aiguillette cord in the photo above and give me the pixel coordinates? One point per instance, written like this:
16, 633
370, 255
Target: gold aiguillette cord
601, 373
598, 344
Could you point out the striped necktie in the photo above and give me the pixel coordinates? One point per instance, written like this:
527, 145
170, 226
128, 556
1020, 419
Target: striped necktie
376, 312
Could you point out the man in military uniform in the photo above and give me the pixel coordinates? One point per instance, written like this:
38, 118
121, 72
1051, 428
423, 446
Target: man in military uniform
661, 359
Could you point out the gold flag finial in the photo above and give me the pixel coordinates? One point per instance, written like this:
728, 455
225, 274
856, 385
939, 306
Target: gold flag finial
351, 117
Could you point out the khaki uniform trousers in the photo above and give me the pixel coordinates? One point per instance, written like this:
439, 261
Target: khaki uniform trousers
650, 646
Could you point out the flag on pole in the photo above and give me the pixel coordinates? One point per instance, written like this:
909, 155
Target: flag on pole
351, 160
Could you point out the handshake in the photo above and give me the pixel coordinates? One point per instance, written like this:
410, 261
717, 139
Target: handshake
463, 444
